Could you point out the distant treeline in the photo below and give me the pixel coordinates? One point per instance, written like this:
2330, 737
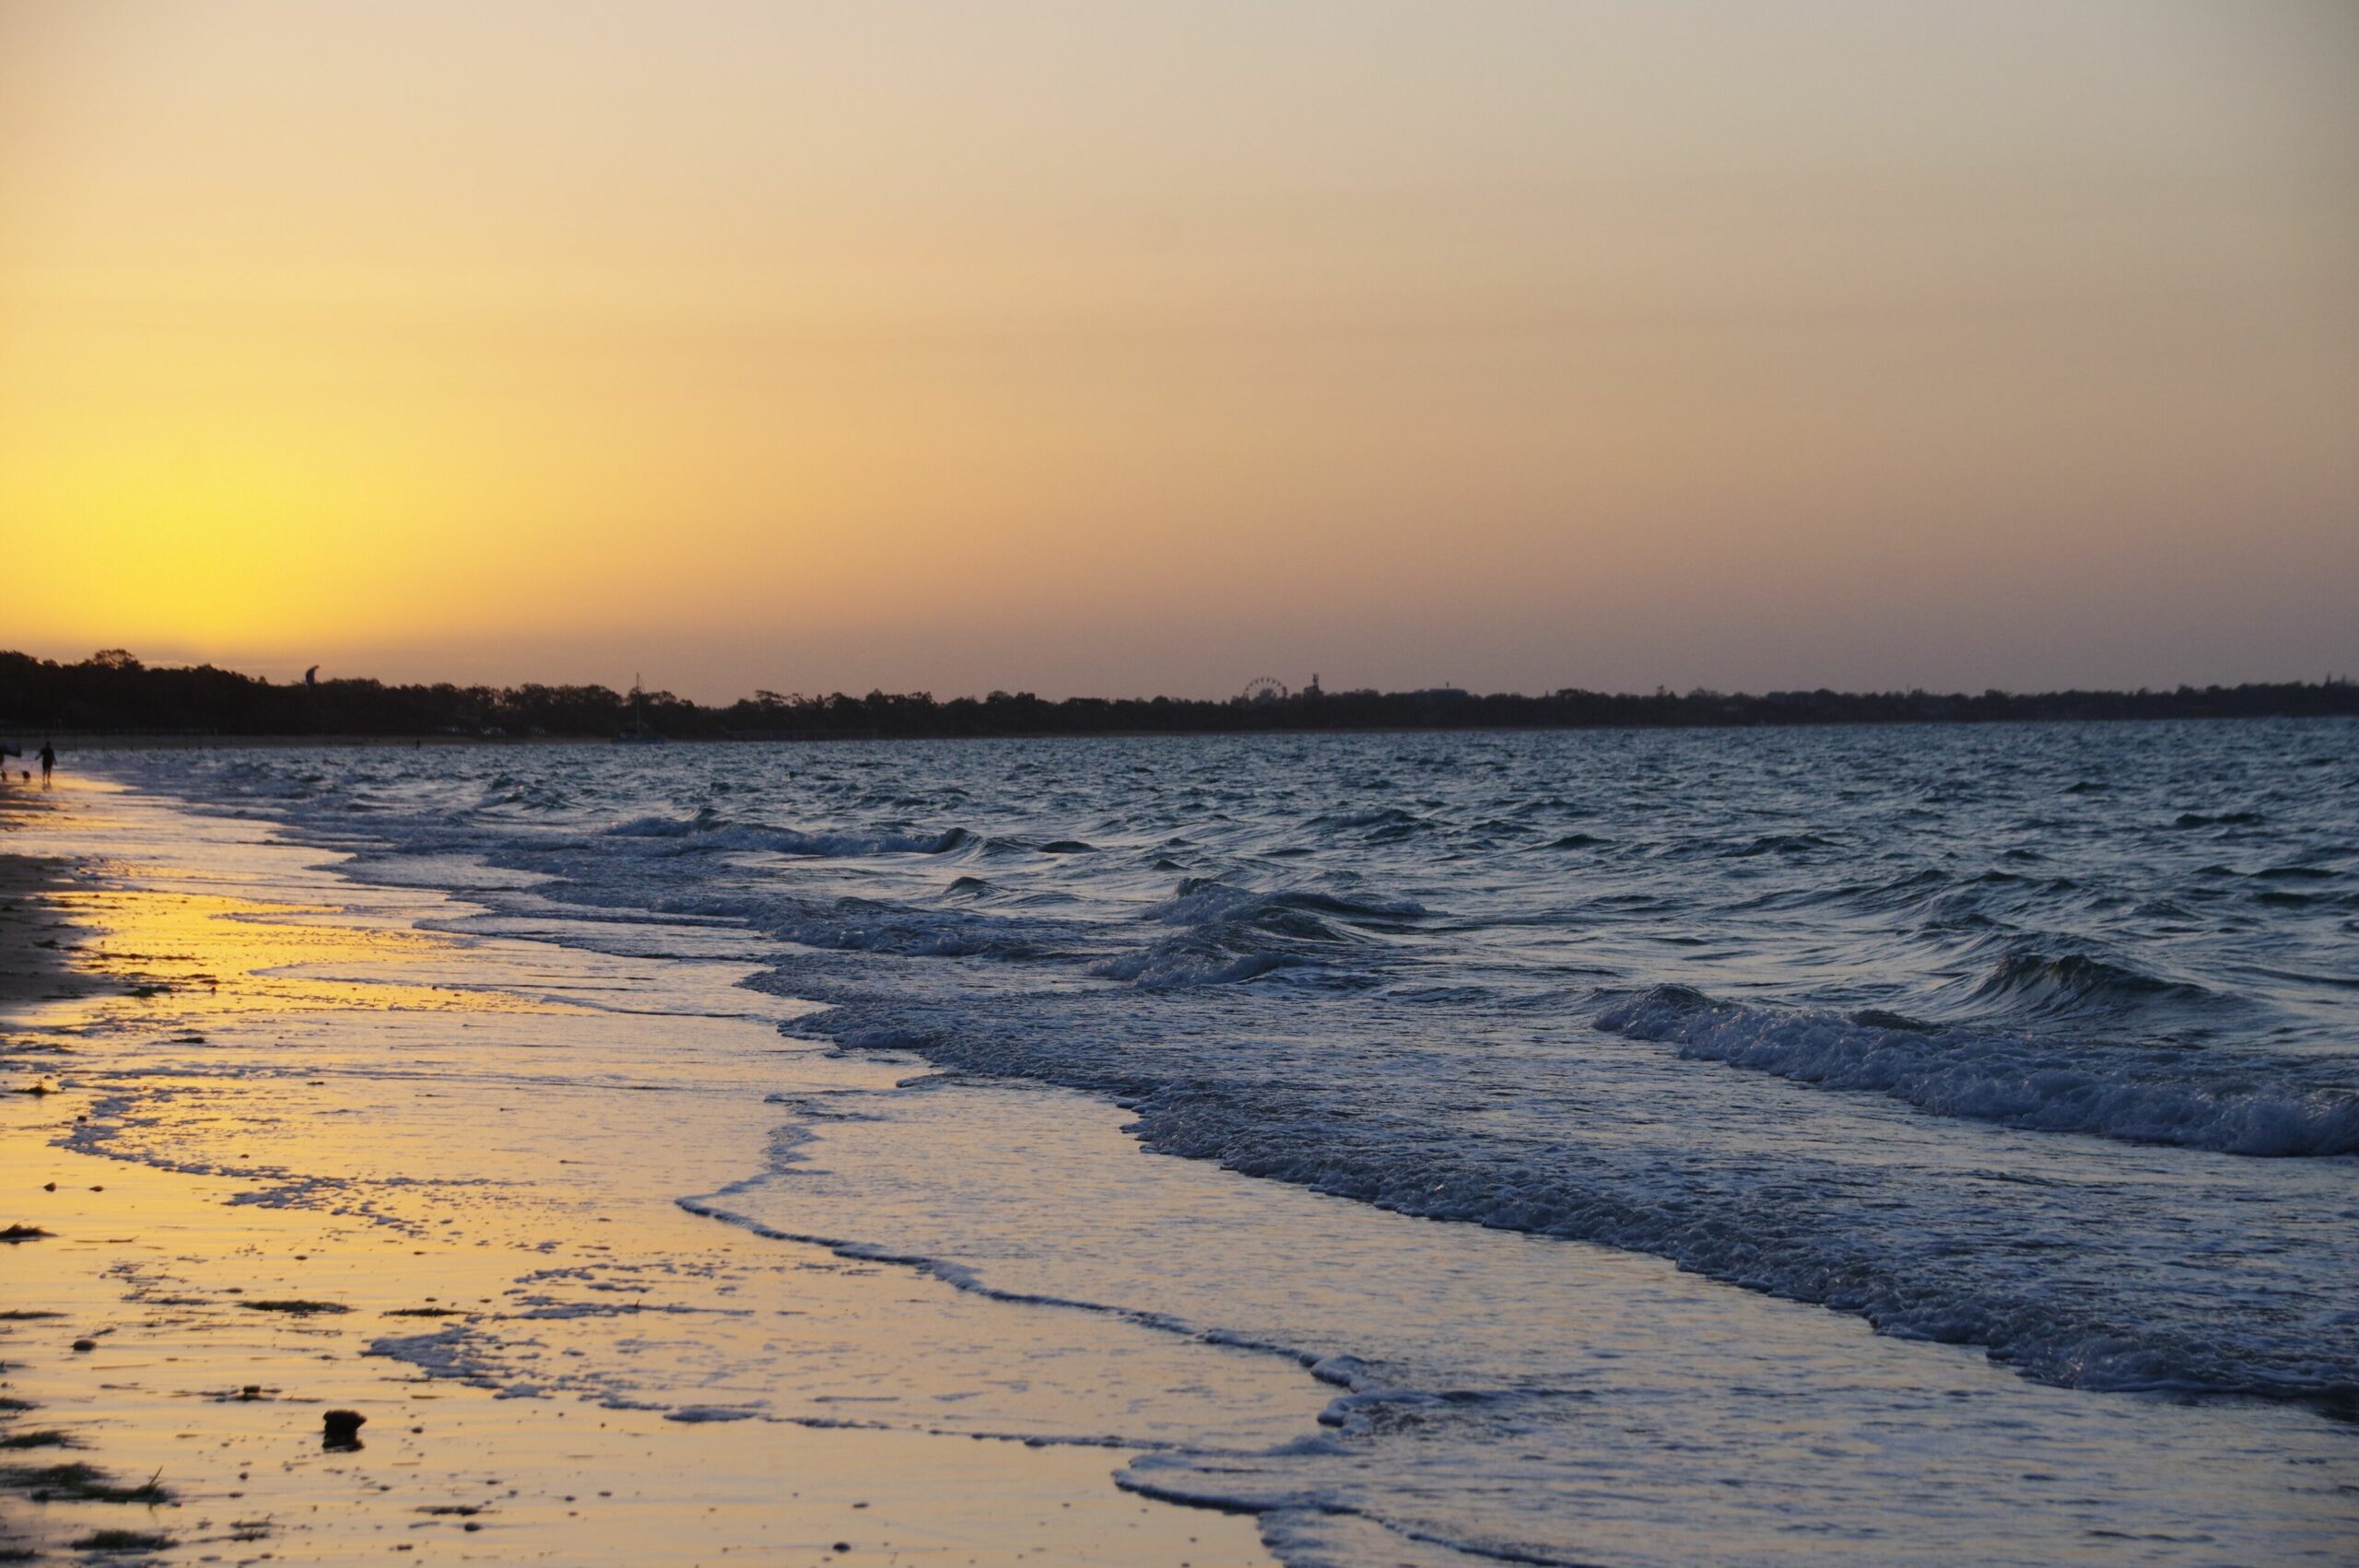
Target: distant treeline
114, 691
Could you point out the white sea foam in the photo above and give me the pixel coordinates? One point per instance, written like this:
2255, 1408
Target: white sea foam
2063, 1083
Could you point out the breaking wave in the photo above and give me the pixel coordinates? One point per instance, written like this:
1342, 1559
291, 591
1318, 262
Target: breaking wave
2064, 1083
708, 832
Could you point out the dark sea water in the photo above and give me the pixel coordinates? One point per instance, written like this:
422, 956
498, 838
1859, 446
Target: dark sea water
2038, 1041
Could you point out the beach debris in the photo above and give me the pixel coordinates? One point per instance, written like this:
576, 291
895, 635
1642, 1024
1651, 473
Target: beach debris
49, 1187
46, 1438
122, 1540
295, 1306
80, 1483
84, 1346
22, 1232
251, 1391
341, 1429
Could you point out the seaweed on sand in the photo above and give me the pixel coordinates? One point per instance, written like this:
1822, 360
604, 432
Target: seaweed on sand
80, 1483
122, 1540
299, 1307
47, 1438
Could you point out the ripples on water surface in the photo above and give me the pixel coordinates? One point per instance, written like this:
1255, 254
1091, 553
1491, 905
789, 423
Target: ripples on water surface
2037, 1039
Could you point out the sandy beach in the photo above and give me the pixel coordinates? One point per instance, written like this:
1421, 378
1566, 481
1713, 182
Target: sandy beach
33, 937
290, 1153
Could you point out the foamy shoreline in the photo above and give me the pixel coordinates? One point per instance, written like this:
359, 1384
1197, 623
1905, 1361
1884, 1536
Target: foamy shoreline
324, 1166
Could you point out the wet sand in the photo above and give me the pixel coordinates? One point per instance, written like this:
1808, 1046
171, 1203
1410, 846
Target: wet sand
34, 939
293, 1155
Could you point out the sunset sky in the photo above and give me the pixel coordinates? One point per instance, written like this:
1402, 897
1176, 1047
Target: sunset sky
1122, 349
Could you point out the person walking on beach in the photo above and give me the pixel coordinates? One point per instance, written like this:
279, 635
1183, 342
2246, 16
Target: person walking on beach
47, 761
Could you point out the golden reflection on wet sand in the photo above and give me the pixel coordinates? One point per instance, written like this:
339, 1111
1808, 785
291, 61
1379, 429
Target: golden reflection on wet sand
332, 1130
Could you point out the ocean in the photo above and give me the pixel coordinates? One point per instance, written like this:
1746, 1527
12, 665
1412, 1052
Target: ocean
1895, 1143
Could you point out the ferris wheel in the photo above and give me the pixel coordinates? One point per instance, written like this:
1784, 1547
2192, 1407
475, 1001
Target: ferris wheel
1264, 688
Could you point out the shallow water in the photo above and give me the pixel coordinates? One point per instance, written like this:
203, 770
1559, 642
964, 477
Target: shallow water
2037, 1042
432, 1179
